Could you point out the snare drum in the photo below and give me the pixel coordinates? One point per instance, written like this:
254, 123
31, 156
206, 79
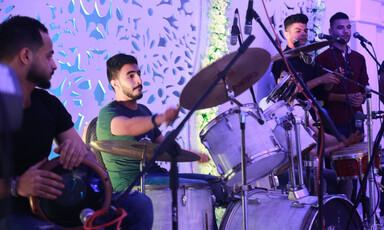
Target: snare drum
194, 204
351, 162
222, 138
86, 186
273, 210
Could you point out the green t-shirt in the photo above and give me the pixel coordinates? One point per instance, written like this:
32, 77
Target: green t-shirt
122, 170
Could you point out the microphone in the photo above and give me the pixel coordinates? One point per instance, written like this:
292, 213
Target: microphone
361, 38
85, 214
235, 29
248, 18
359, 117
331, 38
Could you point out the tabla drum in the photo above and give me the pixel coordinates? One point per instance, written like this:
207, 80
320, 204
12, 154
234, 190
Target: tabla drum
195, 206
86, 186
273, 211
351, 162
275, 114
222, 138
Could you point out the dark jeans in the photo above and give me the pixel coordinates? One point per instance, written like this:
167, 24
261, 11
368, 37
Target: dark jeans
137, 205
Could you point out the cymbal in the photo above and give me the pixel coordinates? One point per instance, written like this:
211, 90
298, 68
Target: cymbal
246, 71
134, 149
304, 49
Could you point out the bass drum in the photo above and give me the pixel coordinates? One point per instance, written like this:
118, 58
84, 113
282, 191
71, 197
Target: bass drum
273, 210
86, 186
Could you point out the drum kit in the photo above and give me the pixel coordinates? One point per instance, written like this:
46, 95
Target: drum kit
247, 143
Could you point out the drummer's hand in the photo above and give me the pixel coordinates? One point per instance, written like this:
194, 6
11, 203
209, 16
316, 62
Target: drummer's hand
170, 115
37, 182
203, 157
353, 138
72, 153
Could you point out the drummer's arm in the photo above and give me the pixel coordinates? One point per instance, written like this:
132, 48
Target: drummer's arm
136, 126
331, 143
71, 148
327, 79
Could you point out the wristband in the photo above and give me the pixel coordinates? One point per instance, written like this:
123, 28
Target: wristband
153, 120
13, 187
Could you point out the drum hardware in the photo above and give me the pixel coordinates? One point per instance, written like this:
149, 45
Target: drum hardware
296, 191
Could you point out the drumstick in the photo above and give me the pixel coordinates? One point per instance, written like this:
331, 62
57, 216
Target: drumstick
177, 110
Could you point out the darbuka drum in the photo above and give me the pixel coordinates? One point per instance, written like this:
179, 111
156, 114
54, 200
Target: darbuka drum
275, 114
194, 203
222, 138
351, 162
273, 210
86, 186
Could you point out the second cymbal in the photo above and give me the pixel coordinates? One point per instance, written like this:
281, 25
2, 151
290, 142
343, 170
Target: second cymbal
134, 149
250, 67
295, 52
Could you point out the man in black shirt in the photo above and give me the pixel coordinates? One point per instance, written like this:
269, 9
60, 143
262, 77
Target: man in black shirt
26, 47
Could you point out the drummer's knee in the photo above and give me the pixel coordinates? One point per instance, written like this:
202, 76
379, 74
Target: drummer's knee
140, 211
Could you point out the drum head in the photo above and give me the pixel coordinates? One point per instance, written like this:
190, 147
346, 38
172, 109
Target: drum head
86, 186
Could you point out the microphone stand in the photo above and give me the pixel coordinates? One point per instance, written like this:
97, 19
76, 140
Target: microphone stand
324, 117
240, 43
373, 57
170, 139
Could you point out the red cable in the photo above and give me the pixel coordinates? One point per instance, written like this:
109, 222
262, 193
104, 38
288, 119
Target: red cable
89, 221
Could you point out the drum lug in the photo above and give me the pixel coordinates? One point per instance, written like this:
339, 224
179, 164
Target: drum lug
229, 124
297, 204
213, 199
184, 198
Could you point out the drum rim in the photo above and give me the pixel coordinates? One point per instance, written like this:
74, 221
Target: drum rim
220, 117
344, 156
274, 107
189, 186
49, 165
278, 86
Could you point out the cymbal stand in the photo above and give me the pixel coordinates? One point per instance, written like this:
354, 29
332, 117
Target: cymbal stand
244, 187
142, 166
170, 139
372, 194
296, 191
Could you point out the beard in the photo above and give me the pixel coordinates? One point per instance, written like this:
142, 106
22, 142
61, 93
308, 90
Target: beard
38, 77
130, 94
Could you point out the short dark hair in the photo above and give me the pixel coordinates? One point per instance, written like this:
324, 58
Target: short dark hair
337, 16
18, 32
295, 18
115, 63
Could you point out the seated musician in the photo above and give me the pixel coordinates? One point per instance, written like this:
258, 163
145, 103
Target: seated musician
26, 46
296, 33
125, 119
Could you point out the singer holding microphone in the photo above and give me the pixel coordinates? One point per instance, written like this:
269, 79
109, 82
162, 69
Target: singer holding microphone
344, 99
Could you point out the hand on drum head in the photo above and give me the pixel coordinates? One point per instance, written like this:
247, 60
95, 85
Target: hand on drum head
72, 149
354, 138
37, 182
